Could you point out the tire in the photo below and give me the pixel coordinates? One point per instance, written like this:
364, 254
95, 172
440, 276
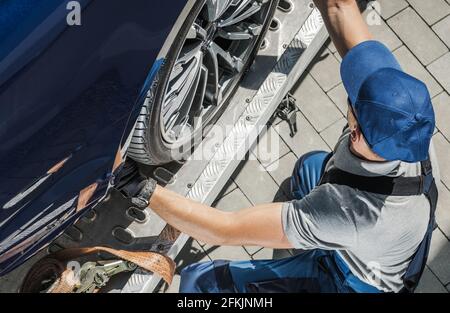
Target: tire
148, 145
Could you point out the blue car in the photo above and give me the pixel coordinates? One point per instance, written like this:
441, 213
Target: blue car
87, 85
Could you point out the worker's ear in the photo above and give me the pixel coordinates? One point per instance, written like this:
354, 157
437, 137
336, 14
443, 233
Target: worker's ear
355, 134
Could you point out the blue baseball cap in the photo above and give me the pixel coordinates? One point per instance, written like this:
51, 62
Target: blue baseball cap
393, 109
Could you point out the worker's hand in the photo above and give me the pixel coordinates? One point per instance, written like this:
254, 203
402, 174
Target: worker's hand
345, 23
142, 198
133, 185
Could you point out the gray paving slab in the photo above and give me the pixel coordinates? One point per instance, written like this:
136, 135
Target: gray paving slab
430, 283
192, 252
284, 170
441, 104
431, 10
326, 70
380, 30
339, 96
227, 253
440, 69
388, 8
443, 211
338, 57
442, 29
442, 147
254, 181
332, 133
413, 67
264, 254
251, 250
233, 201
270, 147
306, 140
417, 35
330, 46
439, 258
315, 104
229, 187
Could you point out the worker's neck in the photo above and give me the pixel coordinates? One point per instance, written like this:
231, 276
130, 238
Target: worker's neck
367, 156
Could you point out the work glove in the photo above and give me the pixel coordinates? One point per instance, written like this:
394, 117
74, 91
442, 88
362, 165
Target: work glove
133, 185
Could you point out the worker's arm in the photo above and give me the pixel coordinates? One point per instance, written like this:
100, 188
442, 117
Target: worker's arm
258, 226
344, 22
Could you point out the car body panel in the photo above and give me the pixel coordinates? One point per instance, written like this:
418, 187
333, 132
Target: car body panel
68, 95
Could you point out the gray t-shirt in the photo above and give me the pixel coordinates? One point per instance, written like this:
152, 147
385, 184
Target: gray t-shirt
376, 235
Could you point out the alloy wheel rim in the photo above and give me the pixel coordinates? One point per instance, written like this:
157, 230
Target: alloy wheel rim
216, 48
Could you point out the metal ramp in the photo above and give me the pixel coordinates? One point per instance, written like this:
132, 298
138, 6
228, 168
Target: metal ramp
296, 35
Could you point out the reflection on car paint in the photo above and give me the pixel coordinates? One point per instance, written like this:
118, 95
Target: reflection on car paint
85, 196
23, 194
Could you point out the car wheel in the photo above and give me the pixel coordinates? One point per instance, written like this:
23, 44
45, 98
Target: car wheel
216, 44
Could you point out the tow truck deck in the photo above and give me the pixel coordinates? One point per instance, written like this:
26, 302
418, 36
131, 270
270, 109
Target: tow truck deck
296, 35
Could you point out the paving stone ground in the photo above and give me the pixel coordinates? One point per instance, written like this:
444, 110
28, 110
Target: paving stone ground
418, 32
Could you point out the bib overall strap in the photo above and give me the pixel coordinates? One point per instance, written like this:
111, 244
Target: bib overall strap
383, 185
417, 266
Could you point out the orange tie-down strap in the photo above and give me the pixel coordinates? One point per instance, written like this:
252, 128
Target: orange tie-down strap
53, 266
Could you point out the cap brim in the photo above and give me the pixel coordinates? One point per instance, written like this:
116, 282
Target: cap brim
362, 61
